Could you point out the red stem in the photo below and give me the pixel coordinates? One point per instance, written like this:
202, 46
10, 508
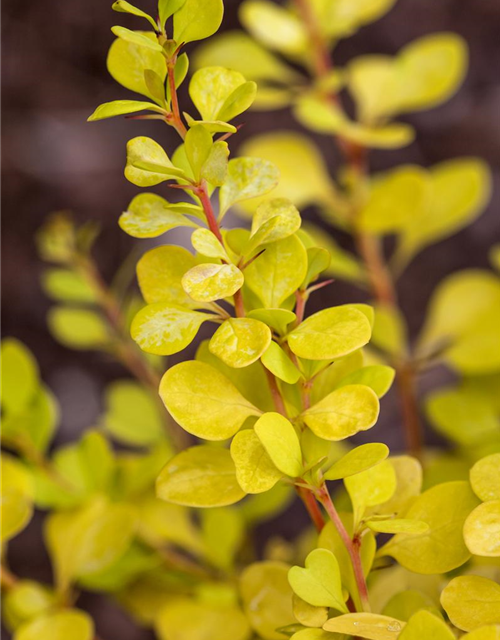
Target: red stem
312, 507
177, 120
202, 193
275, 393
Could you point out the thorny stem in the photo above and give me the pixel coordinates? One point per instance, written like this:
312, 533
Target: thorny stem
369, 247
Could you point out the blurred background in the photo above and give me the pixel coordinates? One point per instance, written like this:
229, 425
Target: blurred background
54, 75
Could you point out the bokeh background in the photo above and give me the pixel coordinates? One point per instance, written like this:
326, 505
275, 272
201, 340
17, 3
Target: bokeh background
54, 75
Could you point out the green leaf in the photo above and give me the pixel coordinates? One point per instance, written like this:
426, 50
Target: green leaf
402, 525
468, 336
216, 91
485, 478
19, 376
247, 178
409, 485
214, 170
164, 328
445, 508
197, 20
203, 401
482, 598
16, 496
240, 341
58, 625
371, 487
137, 38
330, 334
149, 216
273, 220
280, 440
366, 625
208, 282
482, 529
167, 8
278, 272
148, 164
202, 476
78, 328
424, 624
183, 618
274, 26
197, 145
267, 598
122, 6
121, 108
378, 377
403, 604
223, 533
131, 415
160, 273
277, 319
127, 63
24, 601
255, 470
207, 244
357, 460
279, 364
343, 413
319, 583
66, 285
345, 17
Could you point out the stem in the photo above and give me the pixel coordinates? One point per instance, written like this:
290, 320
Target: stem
300, 307
213, 225
7, 579
352, 546
405, 379
176, 120
275, 393
312, 507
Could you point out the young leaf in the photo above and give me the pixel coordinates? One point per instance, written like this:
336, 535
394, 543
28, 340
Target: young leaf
206, 244
203, 401
167, 8
277, 319
121, 108
197, 145
485, 478
445, 508
164, 328
240, 341
279, 364
483, 602
122, 6
148, 164
202, 476
357, 460
482, 530
368, 488
208, 282
343, 413
197, 20
137, 38
278, 272
214, 170
149, 216
247, 178
330, 334
213, 91
281, 442
372, 626
255, 470
319, 583
58, 625
273, 220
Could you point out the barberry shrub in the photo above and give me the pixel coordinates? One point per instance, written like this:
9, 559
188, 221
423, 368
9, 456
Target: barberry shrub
400, 546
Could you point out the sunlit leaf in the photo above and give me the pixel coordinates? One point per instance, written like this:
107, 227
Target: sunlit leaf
482, 530
424, 624
122, 108
274, 26
372, 626
197, 19
255, 470
148, 164
59, 625
371, 487
247, 178
357, 460
485, 478
277, 361
19, 375
281, 442
149, 216
482, 597
240, 341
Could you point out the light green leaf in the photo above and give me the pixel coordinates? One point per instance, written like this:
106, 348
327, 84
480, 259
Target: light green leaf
309, 615
368, 488
343, 413
127, 63
424, 624
223, 533
281, 442
208, 282
207, 244
160, 272
278, 272
314, 634
274, 26
214, 170
482, 530
197, 20
247, 178
148, 164
318, 260
58, 625
19, 375
409, 485
277, 319
197, 146
279, 364
203, 401
24, 601
481, 597
66, 285
402, 525
445, 508
137, 38
121, 108
344, 17
357, 460
378, 377
131, 415
485, 478
490, 632
267, 598
239, 101
255, 470
149, 216
211, 87
164, 328
273, 220
240, 341
167, 8
202, 476
122, 6
319, 583
330, 334
366, 625
16, 496
78, 328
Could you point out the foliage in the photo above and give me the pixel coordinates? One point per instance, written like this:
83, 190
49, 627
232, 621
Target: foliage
164, 525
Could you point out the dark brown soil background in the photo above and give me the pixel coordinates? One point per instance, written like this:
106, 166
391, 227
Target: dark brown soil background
54, 75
